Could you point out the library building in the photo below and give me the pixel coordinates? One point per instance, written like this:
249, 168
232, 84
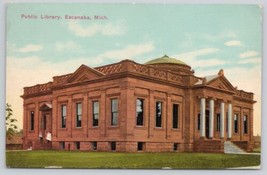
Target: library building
158, 106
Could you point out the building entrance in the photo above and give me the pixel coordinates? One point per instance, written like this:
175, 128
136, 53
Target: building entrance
207, 124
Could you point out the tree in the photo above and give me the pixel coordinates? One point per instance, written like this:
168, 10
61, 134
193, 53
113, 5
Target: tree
10, 122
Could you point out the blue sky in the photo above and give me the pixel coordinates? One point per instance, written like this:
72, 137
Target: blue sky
206, 37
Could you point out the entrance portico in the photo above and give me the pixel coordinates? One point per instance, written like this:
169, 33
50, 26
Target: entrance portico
209, 110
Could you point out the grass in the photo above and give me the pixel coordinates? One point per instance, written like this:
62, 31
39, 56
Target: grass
72, 159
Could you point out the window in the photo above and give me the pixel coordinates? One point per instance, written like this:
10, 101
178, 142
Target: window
175, 146
236, 123
175, 115
32, 120
158, 113
218, 122
78, 146
114, 111
78, 114
139, 112
63, 116
113, 146
198, 122
94, 145
95, 113
245, 124
140, 146
62, 145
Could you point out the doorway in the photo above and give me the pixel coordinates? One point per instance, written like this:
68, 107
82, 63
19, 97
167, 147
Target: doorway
207, 124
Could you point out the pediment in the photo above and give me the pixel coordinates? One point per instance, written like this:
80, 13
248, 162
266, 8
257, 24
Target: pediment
46, 107
84, 73
221, 83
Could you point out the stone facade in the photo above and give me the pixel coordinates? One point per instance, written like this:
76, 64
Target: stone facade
130, 107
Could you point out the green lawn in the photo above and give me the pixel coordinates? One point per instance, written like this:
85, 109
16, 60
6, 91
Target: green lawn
71, 159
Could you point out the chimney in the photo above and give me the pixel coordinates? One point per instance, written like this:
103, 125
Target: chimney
221, 73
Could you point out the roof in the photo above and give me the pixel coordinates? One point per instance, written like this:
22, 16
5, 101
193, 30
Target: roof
165, 59
208, 79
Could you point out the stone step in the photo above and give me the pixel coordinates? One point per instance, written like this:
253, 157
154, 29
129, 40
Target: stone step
231, 148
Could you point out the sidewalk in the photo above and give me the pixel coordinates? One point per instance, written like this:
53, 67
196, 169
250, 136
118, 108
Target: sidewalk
246, 168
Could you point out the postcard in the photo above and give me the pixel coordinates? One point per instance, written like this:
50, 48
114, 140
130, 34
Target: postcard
135, 86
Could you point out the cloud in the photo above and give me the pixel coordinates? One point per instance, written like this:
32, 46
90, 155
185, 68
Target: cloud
256, 60
104, 29
192, 59
207, 63
247, 54
219, 36
128, 52
233, 43
196, 53
31, 48
63, 46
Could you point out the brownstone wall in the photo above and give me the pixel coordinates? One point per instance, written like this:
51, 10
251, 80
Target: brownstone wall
205, 145
143, 82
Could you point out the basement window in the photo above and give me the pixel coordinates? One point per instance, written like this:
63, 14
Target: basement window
94, 145
140, 146
113, 146
77, 145
175, 146
62, 145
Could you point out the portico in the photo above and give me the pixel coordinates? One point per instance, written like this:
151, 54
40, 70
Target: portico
209, 109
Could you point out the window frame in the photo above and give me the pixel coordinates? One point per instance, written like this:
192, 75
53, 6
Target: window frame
245, 124
236, 123
32, 115
175, 119
95, 122
78, 121
114, 113
141, 123
158, 125
63, 117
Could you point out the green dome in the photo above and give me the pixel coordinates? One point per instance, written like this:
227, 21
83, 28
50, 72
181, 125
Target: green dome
165, 59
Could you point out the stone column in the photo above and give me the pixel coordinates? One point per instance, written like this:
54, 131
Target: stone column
229, 121
202, 117
222, 120
211, 118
